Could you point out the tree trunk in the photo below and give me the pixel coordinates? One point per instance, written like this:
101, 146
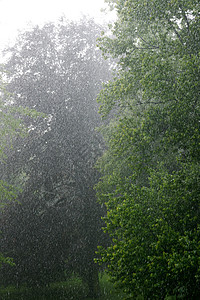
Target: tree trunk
92, 280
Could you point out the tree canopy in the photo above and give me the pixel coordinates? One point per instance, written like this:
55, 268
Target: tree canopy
150, 171
58, 70
11, 127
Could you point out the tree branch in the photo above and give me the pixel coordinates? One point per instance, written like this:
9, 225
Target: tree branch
185, 17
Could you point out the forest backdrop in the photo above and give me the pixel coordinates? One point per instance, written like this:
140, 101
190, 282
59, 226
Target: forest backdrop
147, 175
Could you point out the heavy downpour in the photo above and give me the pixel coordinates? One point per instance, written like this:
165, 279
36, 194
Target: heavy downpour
100, 150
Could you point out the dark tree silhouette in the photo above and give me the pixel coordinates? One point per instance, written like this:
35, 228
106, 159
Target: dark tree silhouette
56, 227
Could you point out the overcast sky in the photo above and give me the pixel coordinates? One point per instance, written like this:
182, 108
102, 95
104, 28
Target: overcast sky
17, 14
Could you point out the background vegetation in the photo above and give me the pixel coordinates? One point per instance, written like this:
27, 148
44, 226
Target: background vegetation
55, 226
146, 152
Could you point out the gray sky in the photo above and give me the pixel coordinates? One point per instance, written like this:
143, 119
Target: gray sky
16, 15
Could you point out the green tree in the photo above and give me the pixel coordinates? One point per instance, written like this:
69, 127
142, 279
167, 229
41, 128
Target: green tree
11, 126
150, 172
58, 70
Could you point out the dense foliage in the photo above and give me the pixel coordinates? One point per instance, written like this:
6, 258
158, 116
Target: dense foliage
54, 231
151, 169
11, 126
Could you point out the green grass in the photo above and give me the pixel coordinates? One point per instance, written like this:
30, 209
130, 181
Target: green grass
72, 289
